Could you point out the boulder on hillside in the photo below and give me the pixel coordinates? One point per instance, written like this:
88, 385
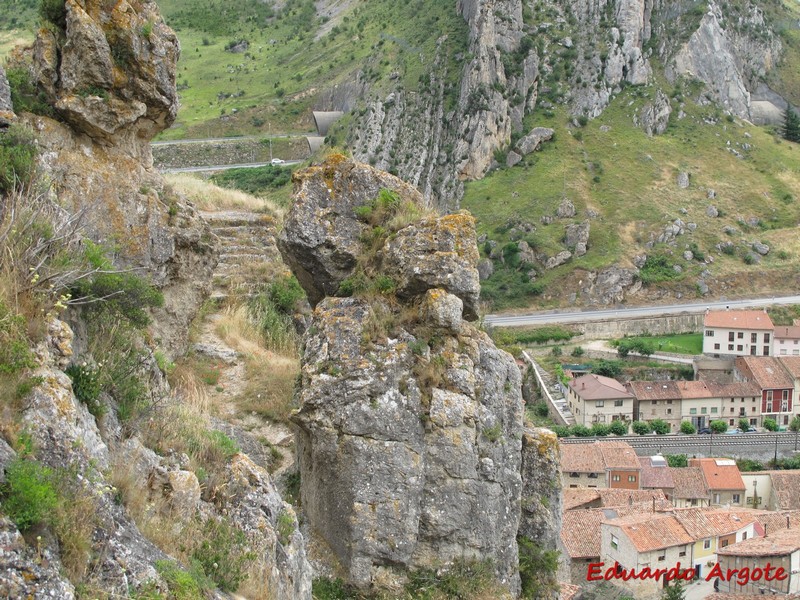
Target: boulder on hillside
654, 116
6, 108
577, 237
534, 139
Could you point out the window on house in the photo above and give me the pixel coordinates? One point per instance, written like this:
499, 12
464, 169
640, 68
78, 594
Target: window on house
692, 411
769, 395
730, 347
739, 348
632, 478
784, 406
723, 543
713, 410
769, 406
744, 535
653, 412
785, 419
669, 401
615, 478
599, 403
785, 395
682, 553
614, 542
574, 475
731, 421
694, 502
740, 335
753, 338
706, 544
766, 338
716, 346
669, 411
736, 499
766, 350
753, 351
592, 475
730, 336
618, 402
716, 498
703, 410
783, 351
662, 557
573, 485
709, 333
733, 410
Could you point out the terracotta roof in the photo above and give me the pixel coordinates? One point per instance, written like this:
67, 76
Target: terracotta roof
597, 387
779, 543
579, 497
689, 483
791, 364
738, 319
581, 458
791, 332
786, 486
654, 390
776, 521
703, 523
567, 591
580, 532
618, 455
767, 371
657, 477
694, 389
610, 497
596, 457
652, 532
741, 389
719, 473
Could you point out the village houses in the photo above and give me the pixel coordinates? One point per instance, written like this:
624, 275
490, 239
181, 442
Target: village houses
602, 464
597, 399
737, 333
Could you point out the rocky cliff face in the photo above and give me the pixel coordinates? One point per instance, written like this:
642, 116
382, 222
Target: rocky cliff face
109, 72
410, 423
580, 52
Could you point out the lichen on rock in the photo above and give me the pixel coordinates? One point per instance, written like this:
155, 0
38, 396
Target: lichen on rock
410, 419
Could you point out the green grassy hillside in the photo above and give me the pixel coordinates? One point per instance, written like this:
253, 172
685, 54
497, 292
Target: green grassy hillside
629, 180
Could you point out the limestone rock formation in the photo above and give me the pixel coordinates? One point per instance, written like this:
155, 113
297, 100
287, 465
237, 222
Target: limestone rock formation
654, 116
6, 109
577, 237
110, 75
410, 420
534, 139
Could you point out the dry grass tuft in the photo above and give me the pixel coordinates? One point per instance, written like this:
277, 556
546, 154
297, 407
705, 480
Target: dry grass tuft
209, 196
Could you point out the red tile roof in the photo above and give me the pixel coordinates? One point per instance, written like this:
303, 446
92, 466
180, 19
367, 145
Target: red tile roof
786, 487
567, 591
573, 498
657, 477
689, 483
596, 457
580, 532
705, 523
719, 473
738, 319
779, 543
652, 532
790, 332
694, 389
597, 387
743, 389
767, 371
654, 390
791, 364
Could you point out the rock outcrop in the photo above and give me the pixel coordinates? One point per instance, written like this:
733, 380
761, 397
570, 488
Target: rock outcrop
109, 72
6, 109
410, 420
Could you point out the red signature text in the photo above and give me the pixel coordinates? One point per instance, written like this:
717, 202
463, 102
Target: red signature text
741, 576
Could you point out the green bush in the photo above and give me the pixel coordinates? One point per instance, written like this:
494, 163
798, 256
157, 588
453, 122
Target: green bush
86, 386
256, 180
607, 368
323, 588
276, 326
641, 427
184, 585
579, 430
537, 569
657, 268
660, 426
17, 158
224, 554
619, 427
29, 494
577, 351
15, 353
677, 460
718, 426
562, 431
744, 424
463, 579
285, 293
540, 335
25, 95
688, 428
540, 409
55, 12
601, 429
770, 424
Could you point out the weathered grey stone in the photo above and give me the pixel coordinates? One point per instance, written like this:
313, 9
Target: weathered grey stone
654, 116
534, 139
321, 238
711, 194
6, 108
609, 286
566, 210
688, 255
526, 253
27, 572
691, 226
702, 287
677, 268
730, 230
711, 211
762, 249
441, 309
577, 237
7, 454
184, 493
485, 268
512, 158
639, 260
436, 252
214, 352
558, 260
683, 180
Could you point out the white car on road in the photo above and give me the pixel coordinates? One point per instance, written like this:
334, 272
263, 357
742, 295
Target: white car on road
277, 161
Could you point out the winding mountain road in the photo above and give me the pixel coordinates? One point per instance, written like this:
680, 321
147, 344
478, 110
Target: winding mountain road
628, 312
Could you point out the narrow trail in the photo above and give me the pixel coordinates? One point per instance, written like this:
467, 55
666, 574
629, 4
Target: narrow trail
248, 258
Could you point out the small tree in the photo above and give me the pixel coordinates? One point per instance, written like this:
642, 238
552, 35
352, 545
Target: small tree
794, 424
607, 368
673, 591
744, 424
561, 431
718, 426
641, 427
770, 424
677, 460
619, 427
601, 429
579, 430
688, 428
660, 426
791, 125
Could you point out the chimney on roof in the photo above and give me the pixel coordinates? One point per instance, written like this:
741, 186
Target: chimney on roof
765, 530
630, 503
787, 522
